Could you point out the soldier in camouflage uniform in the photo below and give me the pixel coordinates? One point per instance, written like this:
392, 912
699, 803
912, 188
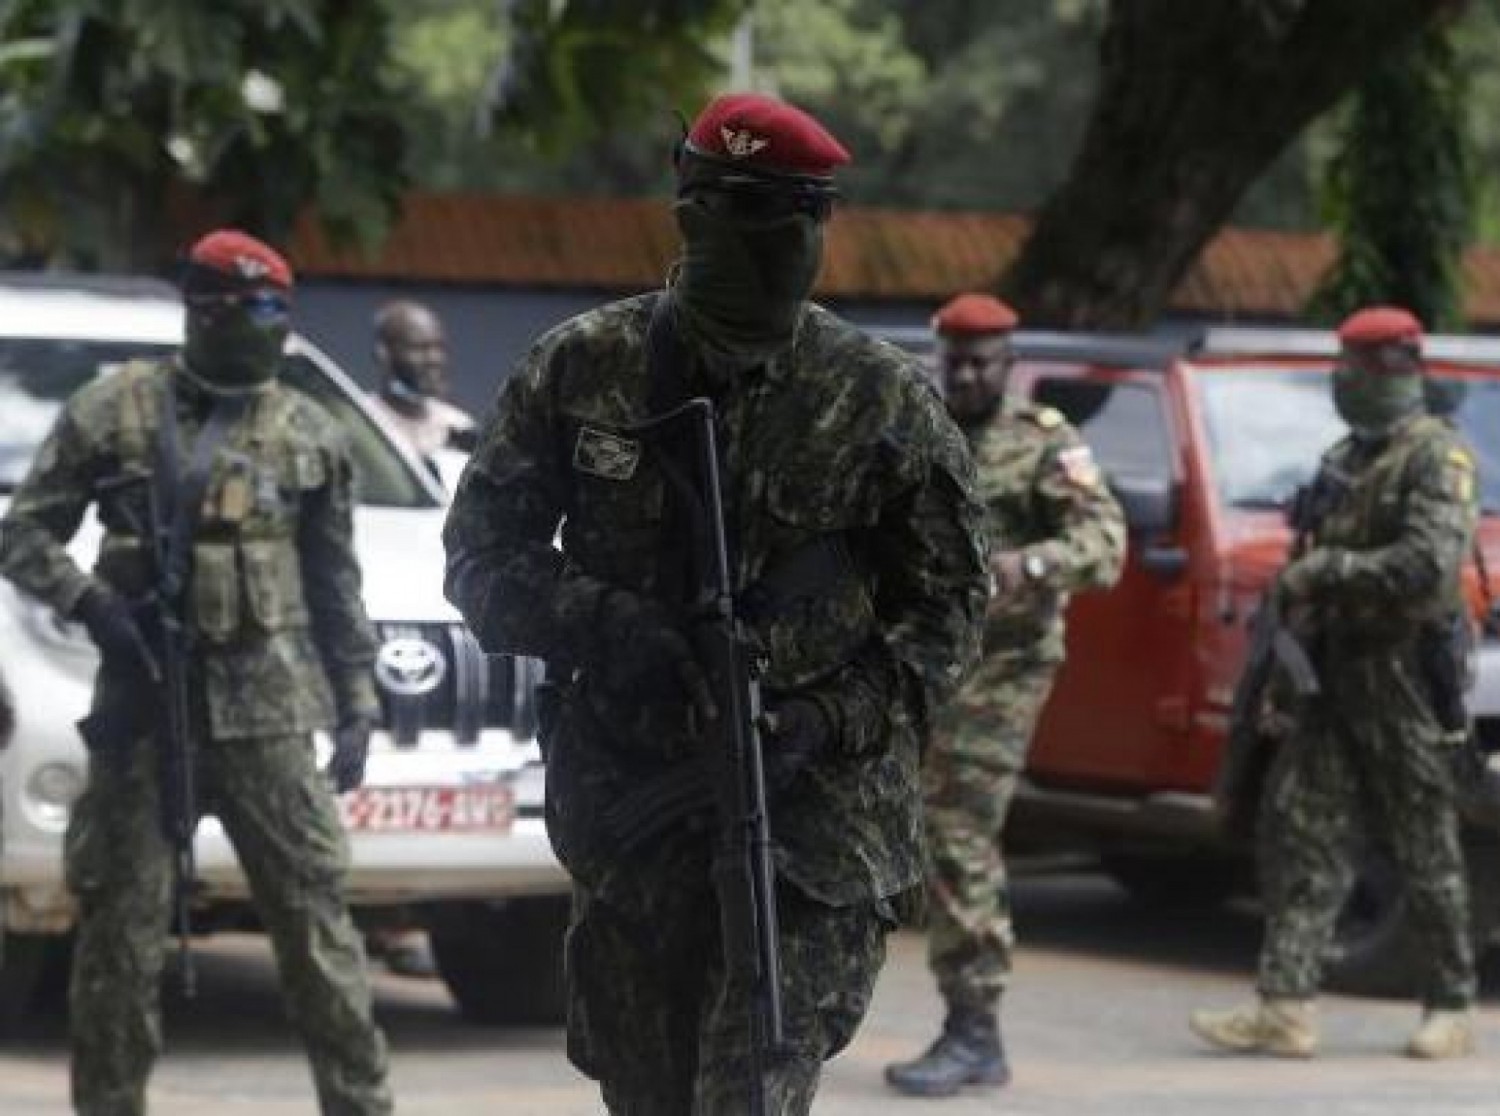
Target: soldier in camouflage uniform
1374, 587
1054, 528
855, 539
280, 646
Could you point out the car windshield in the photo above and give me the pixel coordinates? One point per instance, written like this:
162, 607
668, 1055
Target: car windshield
37, 375
1268, 428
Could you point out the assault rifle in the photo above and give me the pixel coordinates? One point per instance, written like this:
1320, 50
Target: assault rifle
1273, 649
111, 729
743, 876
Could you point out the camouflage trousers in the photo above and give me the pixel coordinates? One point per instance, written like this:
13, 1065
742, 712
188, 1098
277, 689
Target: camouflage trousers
969, 775
284, 825
656, 1019
1374, 765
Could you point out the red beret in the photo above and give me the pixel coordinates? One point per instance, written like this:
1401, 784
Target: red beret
975, 313
241, 257
1375, 324
766, 135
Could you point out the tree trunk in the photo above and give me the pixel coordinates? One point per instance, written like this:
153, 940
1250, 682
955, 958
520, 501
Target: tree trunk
1195, 101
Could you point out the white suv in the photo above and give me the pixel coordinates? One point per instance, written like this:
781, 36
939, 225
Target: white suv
449, 820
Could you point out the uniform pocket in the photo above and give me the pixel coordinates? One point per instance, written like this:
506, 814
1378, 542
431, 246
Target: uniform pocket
216, 592
273, 584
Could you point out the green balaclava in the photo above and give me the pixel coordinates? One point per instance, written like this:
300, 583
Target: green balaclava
741, 284
1377, 386
1373, 403
235, 345
752, 244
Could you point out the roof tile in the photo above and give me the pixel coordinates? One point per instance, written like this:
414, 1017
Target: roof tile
628, 244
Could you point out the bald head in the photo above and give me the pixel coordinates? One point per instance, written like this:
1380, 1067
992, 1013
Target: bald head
412, 352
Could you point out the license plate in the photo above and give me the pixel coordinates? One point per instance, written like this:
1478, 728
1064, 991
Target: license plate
488, 809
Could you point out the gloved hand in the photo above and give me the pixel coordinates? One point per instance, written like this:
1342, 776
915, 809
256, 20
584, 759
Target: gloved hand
797, 732
1307, 575
351, 748
112, 627
642, 648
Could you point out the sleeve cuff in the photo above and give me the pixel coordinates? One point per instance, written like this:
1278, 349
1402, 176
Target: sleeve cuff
355, 696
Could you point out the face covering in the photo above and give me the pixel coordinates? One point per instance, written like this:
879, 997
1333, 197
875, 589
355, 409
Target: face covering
228, 346
1374, 405
741, 285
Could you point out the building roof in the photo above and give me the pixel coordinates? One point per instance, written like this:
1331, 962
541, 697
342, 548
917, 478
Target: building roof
628, 244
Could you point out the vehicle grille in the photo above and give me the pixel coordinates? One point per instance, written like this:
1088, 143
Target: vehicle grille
436, 676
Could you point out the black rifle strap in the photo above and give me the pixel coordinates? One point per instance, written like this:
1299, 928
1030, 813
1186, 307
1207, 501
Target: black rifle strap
181, 496
669, 364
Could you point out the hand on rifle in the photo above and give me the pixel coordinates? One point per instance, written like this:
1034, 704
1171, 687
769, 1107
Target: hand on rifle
111, 625
645, 649
351, 748
797, 732
1304, 577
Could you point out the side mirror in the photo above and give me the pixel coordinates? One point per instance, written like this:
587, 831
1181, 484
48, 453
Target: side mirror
1150, 506
1150, 503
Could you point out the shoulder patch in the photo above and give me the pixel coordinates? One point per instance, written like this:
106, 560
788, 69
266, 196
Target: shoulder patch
606, 455
1078, 466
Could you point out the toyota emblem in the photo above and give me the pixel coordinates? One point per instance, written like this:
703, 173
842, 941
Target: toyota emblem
410, 667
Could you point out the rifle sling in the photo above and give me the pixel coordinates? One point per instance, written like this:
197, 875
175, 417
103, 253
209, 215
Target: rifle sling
669, 363
181, 499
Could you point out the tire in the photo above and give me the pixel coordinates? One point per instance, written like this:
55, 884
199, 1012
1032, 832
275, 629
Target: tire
33, 980
502, 961
1174, 882
1375, 951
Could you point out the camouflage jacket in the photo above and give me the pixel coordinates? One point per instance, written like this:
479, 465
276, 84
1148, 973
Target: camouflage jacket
839, 437
1395, 522
1044, 495
281, 642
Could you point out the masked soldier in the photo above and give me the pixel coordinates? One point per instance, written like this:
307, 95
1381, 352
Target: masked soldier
256, 482
1374, 590
411, 353
1053, 528
855, 555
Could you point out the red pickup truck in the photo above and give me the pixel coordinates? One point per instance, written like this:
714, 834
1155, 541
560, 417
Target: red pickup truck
1205, 441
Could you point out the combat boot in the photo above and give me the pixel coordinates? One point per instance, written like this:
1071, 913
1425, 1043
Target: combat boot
1443, 1034
968, 1052
1286, 1028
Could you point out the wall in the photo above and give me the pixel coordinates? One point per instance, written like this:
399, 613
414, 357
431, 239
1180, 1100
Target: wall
489, 329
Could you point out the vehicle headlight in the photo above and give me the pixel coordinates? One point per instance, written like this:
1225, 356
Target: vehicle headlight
52, 790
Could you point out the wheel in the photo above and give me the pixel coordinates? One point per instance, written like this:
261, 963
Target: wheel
33, 979
502, 961
1375, 951
1174, 882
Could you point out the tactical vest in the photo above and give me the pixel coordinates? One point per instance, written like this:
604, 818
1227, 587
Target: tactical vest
245, 578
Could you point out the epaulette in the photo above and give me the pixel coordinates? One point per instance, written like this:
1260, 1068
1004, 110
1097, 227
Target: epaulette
1048, 418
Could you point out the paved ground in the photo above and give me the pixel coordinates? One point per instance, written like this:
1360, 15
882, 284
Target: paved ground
1094, 1021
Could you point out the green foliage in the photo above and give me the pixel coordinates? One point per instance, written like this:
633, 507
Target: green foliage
981, 104
1400, 191
948, 103
580, 69
113, 113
